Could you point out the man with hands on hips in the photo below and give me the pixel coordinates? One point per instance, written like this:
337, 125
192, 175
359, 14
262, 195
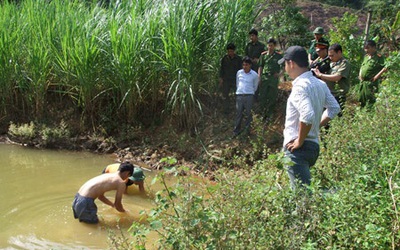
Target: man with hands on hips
309, 106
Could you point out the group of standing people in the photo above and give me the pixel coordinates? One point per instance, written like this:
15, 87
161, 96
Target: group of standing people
319, 89
253, 77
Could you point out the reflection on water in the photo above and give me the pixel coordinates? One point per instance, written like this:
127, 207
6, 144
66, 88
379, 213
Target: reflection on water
36, 192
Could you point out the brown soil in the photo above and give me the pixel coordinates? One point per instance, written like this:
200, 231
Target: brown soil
206, 149
321, 15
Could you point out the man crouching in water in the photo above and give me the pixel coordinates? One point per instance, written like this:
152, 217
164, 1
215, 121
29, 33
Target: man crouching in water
83, 205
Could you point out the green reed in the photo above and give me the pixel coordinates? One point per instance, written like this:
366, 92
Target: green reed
142, 58
36, 52
131, 35
9, 41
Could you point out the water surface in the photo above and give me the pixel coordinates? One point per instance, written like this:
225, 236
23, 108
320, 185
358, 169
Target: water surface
36, 192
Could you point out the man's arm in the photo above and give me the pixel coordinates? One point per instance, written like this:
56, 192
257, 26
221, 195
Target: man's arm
324, 120
332, 108
310, 61
260, 69
304, 129
118, 197
256, 82
377, 76
141, 186
105, 200
326, 77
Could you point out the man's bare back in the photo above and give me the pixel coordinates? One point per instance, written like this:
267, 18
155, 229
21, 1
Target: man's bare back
83, 205
98, 185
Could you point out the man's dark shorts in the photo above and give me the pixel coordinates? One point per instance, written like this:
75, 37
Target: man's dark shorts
85, 209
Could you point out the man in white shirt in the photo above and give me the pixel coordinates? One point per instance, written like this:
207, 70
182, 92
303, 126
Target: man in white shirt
305, 115
246, 85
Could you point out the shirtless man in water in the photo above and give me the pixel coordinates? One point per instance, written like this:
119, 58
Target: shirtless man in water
83, 205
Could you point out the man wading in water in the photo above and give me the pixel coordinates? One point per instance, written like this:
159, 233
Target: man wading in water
83, 205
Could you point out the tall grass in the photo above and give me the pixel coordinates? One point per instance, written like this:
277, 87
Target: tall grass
148, 57
10, 44
135, 82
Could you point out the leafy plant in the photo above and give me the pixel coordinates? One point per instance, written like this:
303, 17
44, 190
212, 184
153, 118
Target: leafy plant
345, 34
24, 132
56, 136
286, 23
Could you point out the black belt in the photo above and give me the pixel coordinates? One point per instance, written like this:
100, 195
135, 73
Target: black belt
244, 94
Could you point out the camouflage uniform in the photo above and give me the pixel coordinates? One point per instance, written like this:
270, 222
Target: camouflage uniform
340, 88
270, 80
371, 66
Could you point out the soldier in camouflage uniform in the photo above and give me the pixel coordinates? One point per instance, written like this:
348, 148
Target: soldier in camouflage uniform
318, 38
268, 72
370, 74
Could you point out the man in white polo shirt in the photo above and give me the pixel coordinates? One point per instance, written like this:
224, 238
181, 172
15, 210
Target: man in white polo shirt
246, 85
305, 115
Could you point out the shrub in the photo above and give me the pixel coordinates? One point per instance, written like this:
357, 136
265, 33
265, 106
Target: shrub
55, 136
23, 133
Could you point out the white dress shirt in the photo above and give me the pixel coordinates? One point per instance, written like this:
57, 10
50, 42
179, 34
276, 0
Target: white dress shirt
246, 83
306, 104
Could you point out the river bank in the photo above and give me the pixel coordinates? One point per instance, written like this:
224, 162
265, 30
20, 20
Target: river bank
203, 150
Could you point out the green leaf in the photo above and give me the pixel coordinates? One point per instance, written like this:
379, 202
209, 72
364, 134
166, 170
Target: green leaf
156, 224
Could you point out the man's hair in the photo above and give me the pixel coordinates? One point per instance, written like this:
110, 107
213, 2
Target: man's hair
231, 46
247, 59
253, 32
336, 47
272, 40
126, 166
370, 43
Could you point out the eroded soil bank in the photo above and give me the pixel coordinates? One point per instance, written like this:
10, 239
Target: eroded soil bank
204, 149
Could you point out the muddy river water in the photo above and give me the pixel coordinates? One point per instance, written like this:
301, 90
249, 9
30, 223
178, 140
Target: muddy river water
36, 191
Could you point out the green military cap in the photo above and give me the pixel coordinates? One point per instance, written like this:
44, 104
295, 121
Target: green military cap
319, 30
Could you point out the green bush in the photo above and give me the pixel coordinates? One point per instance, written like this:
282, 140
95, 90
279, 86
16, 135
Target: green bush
23, 133
40, 135
51, 137
142, 60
